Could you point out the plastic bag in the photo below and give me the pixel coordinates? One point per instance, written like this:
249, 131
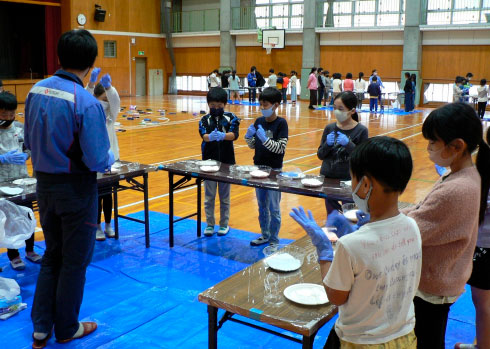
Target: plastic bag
19, 225
9, 289
395, 104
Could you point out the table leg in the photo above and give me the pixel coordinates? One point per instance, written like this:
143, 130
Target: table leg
199, 208
116, 213
212, 327
147, 213
308, 341
171, 209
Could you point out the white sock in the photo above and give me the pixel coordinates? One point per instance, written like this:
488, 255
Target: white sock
40, 335
79, 331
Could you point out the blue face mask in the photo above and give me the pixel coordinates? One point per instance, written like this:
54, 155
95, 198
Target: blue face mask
216, 112
361, 204
267, 112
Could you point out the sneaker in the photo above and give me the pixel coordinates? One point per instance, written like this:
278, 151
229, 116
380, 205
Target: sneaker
34, 257
109, 231
223, 230
464, 346
17, 263
99, 235
260, 241
209, 231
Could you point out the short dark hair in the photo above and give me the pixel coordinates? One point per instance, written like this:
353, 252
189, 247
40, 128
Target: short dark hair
99, 90
385, 159
374, 78
459, 79
217, 94
271, 70
483, 82
8, 101
348, 76
252, 68
469, 75
407, 75
271, 95
77, 49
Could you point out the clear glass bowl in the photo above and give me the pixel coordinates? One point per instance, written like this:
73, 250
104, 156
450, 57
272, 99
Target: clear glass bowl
313, 181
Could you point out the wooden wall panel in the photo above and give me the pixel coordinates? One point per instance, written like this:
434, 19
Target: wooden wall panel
202, 60
282, 60
446, 62
387, 60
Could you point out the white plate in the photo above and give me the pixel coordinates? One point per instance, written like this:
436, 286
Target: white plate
307, 294
351, 215
25, 181
11, 191
210, 168
259, 174
283, 262
311, 182
208, 162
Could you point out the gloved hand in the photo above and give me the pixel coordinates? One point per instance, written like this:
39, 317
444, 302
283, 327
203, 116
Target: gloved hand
362, 218
342, 139
106, 81
250, 131
110, 161
338, 220
94, 75
331, 138
261, 134
220, 136
440, 170
13, 157
213, 136
318, 237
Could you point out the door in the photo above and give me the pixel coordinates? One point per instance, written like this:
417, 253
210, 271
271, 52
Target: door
140, 76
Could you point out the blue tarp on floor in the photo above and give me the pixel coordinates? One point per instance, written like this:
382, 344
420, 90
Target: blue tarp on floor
147, 298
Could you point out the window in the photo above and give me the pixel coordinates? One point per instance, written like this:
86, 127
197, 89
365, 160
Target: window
110, 49
445, 12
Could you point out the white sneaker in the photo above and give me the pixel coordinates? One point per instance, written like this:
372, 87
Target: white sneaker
209, 231
99, 235
223, 230
109, 231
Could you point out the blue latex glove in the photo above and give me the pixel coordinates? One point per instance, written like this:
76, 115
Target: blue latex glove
106, 81
342, 139
13, 157
110, 161
362, 218
250, 131
338, 220
261, 134
331, 138
220, 136
94, 75
318, 237
213, 136
440, 170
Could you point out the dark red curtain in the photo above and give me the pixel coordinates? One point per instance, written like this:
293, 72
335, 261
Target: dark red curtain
52, 24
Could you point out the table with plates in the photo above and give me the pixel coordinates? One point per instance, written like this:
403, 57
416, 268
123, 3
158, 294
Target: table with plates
123, 176
244, 294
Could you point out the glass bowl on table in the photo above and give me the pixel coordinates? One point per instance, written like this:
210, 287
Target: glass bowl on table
349, 210
242, 171
133, 166
261, 172
209, 165
313, 181
284, 258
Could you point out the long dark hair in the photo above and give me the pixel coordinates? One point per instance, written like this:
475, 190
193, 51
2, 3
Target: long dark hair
313, 70
233, 73
349, 99
361, 74
459, 120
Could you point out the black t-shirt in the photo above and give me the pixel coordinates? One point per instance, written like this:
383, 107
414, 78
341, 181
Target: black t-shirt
221, 151
336, 157
275, 130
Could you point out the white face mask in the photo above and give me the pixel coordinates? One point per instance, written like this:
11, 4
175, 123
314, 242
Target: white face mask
436, 158
267, 112
105, 105
341, 116
362, 204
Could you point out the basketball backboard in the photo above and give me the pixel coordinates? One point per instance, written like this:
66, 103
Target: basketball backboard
273, 37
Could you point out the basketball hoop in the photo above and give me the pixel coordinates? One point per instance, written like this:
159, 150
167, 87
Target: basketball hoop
269, 48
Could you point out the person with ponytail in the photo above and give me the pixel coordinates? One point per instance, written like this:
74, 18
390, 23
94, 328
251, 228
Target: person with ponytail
234, 83
449, 216
339, 140
313, 87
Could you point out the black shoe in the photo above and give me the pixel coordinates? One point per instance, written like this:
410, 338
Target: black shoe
311, 107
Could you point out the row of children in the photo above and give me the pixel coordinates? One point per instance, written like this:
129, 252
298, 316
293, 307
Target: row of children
229, 81
461, 92
14, 155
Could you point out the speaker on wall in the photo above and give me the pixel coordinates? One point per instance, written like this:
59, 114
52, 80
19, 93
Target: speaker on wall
99, 15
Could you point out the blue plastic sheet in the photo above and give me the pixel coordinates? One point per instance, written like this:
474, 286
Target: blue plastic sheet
147, 298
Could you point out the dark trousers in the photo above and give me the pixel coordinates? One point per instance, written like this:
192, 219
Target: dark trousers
105, 203
481, 109
333, 340
284, 92
68, 214
313, 101
409, 101
12, 254
321, 92
373, 104
430, 324
252, 94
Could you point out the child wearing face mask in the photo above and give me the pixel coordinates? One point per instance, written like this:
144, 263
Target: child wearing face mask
110, 101
449, 216
339, 140
13, 157
268, 135
218, 130
376, 269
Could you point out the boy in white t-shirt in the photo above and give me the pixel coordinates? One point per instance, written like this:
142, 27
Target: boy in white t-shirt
376, 270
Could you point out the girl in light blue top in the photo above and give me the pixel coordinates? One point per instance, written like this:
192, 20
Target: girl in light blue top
234, 81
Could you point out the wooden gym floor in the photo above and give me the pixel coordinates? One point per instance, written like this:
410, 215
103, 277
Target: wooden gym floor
177, 138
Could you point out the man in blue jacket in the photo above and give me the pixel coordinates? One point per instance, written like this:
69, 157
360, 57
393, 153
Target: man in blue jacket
252, 83
66, 133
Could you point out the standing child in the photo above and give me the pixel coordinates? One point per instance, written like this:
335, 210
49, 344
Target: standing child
279, 82
293, 80
482, 98
321, 85
408, 89
252, 84
328, 85
272, 79
234, 83
348, 82
336, 85
109, 98
360, 88
339, 140
449, 216
213, 79
374, 91
376, 270
218, 130
457, 89
313, 87
13, 157
269, 137
285, 83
